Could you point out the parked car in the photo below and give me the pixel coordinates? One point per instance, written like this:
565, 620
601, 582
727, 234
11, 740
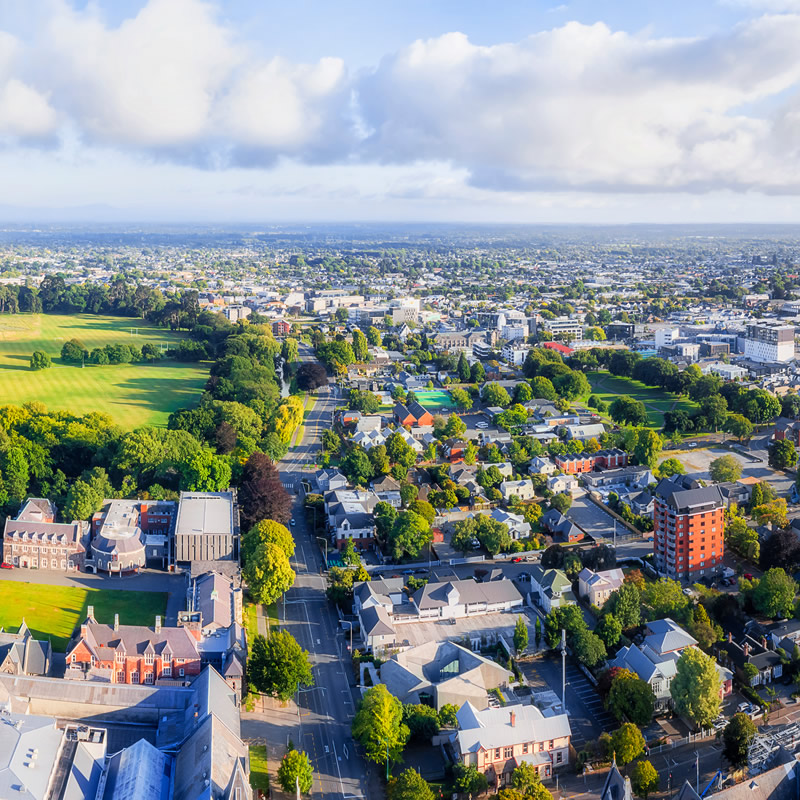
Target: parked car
6, 565
408, 572
482, 425
516, 559
744, 708
292, 522
421, 571
748, 576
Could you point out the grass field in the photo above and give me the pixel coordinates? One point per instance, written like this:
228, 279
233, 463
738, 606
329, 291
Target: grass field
133, 394
54, 611
259, 770
609, 387
432, 399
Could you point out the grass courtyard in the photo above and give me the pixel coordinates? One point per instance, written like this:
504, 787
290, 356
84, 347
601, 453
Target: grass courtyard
656, 401
133, 394
54, 611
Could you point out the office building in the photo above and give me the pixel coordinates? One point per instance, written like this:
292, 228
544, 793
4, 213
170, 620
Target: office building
769, 341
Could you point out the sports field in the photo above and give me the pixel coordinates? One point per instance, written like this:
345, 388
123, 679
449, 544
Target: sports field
608, 387
54, 611
133, 394
432, 400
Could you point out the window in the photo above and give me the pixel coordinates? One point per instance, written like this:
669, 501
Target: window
508, 752
524, 748
134, 677
550, 745
559, 756
180, 672
73, 658
166, 670
148, 658
541, 746
118, 656
148, 677
120, 677
497, 754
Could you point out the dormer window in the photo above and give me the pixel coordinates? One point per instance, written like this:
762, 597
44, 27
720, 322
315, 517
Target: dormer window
148, 658
119, 655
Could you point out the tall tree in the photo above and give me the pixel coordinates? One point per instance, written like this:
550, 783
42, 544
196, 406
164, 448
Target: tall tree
267, 531
267, 573
278, 666
725, 468
520, 635
378, 726
696, 687
736, 737
628, 743
631, 697
775, 593
261, 492
644, 779
409, 785
295, 772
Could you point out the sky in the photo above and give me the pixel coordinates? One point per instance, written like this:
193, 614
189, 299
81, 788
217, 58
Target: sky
515, 111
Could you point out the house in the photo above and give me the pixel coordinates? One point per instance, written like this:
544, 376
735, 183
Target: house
560, 527
415, 415
577, 463
585, 432
446, 672
454, 450
597, 587
497, 740
522, 489
34, 540
369, 439
752, 660
368, 423
542, 466
562, 484
464, 598
132, 653
628, 477
21, 654
349, 513
784, 634
517, 527
641, 504
329, 480
616, 786
551, 588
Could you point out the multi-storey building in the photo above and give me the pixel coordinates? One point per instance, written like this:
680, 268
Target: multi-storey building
769, 341
665, 337
564, 327
206, 530
133, 653
576, 463
35, 540
689, 527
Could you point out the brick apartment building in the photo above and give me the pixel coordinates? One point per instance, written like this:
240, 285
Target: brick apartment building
577, 463
133, 654
689, 529
35, 540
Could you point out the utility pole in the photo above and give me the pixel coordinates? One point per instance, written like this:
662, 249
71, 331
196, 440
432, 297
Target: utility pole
615, 534
697, 771
297, 785
564, 669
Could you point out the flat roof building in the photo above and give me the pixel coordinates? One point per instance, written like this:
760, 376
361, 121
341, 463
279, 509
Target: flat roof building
207, 528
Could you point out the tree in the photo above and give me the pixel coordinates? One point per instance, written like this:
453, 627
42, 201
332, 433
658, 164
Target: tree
695, 689
455, 426
267, 531
268, 573
295, 770
261, 492
379, 461
311, 375
782, 549
627, 411
648, 446
631, 697
625, 604
205, 472
627, 742
759, 406
360, 346
525, 778
463, 368
665, 597
468, 780
374, 336
561, 502
495, 395
378, 725
736, 738
40, 360
357, 466
278, 666
73, 351
782, 454
543, 388
520, 635
588, 647
725, 469
670, 467
410, 533
644, 779
409, 785
738, 426
461, 398
609, 630
775, 593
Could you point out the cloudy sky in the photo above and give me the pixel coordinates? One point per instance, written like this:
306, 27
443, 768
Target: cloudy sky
418, 110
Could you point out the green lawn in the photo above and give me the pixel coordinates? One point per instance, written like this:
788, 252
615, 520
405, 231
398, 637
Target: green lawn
54, 611
608, 387
133, 394
432, 399
259, 774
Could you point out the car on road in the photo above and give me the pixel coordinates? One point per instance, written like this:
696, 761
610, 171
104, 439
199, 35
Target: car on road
292, 521
6, 565
692, 444
421, 571
516, 560
408, 572
748, 576
688, 592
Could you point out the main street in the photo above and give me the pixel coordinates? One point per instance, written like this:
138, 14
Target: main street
321, 723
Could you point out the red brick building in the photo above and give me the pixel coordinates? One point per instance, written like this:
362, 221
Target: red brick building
577, 463
415, 415
133, 653
689, 530
280, 327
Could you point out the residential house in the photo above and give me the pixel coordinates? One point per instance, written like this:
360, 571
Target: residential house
454, 450
562, 484
369, 439
370, 422
517, 527
329, 480
612, 479
542, 466
597, 587
497, 740
551, 588
616, 786
34, 540
784, 634
561, 528
132, 653
522, 489
641, 503
415, 415
578, 463
464, 598
21, 654
349, 513
752, 660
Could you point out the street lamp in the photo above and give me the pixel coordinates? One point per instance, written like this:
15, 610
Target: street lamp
348, 622
325, 542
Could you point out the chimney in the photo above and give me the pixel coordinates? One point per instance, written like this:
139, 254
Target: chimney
730, 636
158, 624
513, 718
746, 649
764, 643
116, 622
90, 612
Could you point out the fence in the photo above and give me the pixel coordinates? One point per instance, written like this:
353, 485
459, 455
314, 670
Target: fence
692, 737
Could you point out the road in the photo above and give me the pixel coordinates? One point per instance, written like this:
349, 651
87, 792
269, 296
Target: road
321, 725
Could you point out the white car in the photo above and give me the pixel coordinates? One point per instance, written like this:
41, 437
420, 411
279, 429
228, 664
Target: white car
482, 425
743, 708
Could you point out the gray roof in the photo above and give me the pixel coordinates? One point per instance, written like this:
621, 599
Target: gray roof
205, 512
103, 641
689, 501
437, 595
139, 772
213, 598
616, 786
375, 621
20, 735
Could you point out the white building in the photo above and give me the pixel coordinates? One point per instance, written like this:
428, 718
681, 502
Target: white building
728, 371
564, 326
665, 337
522, 489
769, 341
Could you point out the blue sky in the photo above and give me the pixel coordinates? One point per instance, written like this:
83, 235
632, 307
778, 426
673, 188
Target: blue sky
456, 110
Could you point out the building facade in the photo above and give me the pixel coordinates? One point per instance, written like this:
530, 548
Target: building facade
769, 341
207, 528
689, 528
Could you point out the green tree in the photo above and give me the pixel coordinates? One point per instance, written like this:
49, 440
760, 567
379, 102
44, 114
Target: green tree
349, 555
495, 395
648, 446
468, 780
463, 368
543, 388
609, 630
360, 346
631, 697
526, 779
205, 472
409, 785
561, 502
73, 351
644, 779
374, 336
357, 467
462, 399
725, 468
267, 573
455, 426
588, 647
736, 739
775, 594
627, 743
267, 531
295, 770
378, 725
40, 360
669, 467
628, 411
782, 454
278, 666
422, 721
665, 597
447, 716
625, 604
410, 533
520, 635
738, 426
379, 460
695, 689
